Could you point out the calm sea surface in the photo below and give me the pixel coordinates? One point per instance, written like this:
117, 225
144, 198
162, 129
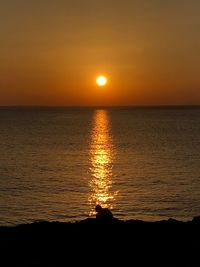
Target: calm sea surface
58, 163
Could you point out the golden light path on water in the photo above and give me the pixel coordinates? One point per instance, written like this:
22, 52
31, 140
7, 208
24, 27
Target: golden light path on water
101, 157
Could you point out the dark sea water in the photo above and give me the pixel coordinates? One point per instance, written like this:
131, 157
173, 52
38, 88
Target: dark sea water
56, 164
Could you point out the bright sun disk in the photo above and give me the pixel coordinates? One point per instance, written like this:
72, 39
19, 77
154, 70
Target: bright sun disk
101, 80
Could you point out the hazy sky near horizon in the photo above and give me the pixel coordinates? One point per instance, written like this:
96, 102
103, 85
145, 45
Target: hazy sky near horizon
51, 52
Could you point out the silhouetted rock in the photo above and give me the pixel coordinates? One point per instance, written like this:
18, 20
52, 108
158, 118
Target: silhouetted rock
196, 219
163, 243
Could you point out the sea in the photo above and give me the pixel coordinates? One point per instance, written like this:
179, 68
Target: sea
57, 163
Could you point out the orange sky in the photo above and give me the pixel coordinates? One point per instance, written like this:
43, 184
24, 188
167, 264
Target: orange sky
51, 52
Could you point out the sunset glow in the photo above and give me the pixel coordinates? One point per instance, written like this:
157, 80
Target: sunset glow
75, 55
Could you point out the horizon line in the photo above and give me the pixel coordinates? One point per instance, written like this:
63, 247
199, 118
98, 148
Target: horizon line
104, 106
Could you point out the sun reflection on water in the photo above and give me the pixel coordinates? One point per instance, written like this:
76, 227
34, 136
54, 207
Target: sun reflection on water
101, 157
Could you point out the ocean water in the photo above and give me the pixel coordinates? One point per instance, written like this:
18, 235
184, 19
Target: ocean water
56, 164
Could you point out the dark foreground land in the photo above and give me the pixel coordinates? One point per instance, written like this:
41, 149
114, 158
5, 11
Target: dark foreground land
91, 243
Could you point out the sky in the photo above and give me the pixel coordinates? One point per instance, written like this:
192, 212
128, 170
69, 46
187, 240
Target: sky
51, 52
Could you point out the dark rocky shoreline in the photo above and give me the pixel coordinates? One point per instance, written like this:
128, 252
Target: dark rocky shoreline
163, 243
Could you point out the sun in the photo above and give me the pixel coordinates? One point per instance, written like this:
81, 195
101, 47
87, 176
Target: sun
101, 80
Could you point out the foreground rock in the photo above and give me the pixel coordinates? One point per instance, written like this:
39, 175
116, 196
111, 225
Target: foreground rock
163, 243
